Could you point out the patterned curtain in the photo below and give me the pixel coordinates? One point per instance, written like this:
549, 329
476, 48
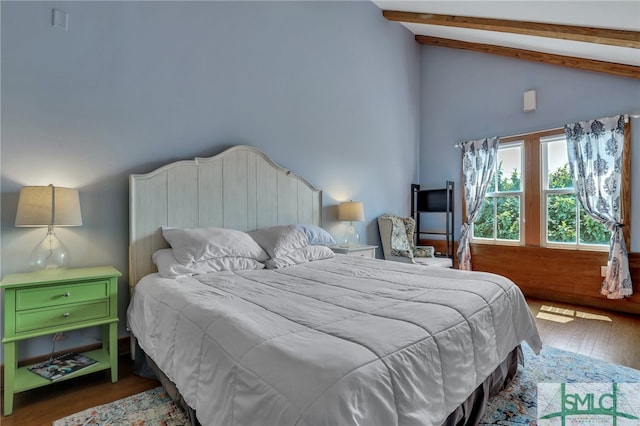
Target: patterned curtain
478, 162
595, 150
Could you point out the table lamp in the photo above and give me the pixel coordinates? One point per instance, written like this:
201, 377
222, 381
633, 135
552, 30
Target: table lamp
351, 211
50, 206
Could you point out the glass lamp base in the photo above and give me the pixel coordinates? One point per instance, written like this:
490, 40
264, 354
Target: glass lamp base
351, 237
49, 254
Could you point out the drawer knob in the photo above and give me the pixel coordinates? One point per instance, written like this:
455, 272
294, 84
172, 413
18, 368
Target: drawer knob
67, 294
66, 314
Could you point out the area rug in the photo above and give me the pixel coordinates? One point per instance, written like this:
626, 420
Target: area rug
153, 407
514, 405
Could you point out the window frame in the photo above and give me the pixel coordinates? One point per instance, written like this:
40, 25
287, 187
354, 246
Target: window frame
545, 191
503, 194
532, 217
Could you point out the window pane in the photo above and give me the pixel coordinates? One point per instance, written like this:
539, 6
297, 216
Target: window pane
558, 175
483, 226
561, 218
592, 231
508, 218
509, 169
492, 184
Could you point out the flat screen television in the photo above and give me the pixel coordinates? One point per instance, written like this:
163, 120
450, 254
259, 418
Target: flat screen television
432, 200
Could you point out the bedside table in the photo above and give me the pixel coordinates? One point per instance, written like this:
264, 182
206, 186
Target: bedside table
356, 250
48, 302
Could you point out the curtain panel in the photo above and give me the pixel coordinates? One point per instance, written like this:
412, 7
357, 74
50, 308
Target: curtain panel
596, 149
478, 164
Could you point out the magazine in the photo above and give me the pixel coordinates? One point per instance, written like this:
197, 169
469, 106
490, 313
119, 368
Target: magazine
61, 366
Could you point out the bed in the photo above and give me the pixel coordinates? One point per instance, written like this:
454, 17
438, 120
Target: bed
316, 339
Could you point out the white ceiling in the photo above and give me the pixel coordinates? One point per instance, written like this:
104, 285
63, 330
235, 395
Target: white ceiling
622, 15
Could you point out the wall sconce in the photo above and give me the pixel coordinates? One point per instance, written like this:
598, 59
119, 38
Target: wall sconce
351, 211
530, 101
50, 206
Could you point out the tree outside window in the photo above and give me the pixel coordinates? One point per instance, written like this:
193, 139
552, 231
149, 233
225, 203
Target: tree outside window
563, 221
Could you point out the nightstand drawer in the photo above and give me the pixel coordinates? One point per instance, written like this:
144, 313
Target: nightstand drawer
365, 253
61, 294
35, 319
361, 250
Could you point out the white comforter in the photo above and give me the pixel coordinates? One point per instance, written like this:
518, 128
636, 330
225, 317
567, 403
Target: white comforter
344, 341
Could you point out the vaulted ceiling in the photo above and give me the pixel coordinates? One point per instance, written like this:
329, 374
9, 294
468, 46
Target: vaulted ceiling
601, 36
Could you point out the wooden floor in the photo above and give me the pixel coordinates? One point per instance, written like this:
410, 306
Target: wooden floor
600, 334
591, 332
44, 405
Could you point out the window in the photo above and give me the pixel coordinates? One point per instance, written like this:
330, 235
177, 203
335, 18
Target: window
500, 219
567, 224
532, 200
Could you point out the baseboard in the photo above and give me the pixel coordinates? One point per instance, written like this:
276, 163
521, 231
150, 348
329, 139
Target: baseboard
123, 349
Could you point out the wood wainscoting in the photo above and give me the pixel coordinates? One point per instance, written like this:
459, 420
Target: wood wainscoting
570, 276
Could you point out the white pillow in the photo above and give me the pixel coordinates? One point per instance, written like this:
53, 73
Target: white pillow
169, 267
301, 255
316, 235
277, 241
191, 245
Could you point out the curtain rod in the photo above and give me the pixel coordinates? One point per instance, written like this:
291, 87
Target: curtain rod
626, 120
558, 129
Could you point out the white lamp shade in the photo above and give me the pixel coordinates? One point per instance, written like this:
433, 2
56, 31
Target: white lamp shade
48, 205
351, 211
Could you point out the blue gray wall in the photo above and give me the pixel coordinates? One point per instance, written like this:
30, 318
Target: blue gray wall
468, 95
330, 90
326, 89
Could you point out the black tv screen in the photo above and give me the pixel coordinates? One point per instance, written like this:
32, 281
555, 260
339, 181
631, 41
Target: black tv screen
432, 200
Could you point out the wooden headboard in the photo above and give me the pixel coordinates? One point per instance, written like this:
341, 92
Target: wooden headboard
240, 188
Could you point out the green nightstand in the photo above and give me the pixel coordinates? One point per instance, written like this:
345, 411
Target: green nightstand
48, 302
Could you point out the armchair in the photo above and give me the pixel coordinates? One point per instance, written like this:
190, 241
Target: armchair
396, 236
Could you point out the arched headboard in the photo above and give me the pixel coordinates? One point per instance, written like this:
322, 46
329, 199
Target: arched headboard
240, 188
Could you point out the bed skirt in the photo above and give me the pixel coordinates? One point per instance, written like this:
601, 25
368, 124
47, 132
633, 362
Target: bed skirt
472, 409
468, 413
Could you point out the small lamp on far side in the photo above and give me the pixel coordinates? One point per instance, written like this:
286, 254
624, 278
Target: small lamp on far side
48, 206
351, 211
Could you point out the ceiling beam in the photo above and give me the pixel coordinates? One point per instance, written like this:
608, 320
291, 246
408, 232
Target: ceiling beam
621, 70
623, 38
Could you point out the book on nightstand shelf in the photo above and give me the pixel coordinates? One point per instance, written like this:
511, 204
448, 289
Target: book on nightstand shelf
61, 366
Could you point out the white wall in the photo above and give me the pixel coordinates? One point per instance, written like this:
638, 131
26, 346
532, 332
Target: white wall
327, 89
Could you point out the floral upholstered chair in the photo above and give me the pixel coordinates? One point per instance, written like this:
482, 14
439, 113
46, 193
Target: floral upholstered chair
396, 236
